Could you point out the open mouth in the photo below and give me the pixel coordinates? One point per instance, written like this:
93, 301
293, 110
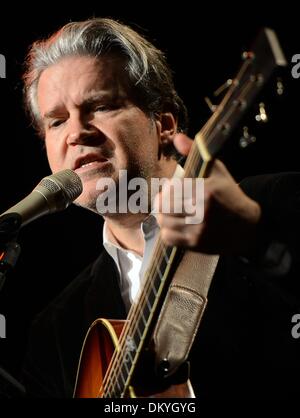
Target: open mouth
88, 162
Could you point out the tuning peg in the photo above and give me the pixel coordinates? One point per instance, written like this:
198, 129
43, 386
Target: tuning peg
211, 106
279, 86
248, 55
246, 139
262, 115
223, 87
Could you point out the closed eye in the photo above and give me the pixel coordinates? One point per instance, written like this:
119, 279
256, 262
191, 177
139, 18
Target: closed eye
55, 123
106, 107
102, 108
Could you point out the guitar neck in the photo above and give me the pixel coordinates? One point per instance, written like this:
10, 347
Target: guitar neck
254, 72
141, 319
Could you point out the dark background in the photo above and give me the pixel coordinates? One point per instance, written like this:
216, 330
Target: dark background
203, 44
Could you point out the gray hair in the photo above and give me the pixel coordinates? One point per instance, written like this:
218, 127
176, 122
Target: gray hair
149, 76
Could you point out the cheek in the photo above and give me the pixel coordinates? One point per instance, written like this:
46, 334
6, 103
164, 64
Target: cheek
142, 142
54, 159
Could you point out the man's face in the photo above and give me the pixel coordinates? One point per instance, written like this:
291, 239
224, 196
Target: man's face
93, 127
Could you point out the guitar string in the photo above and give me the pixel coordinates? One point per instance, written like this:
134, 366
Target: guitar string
133, 312
144, 296
164, 251
160, 249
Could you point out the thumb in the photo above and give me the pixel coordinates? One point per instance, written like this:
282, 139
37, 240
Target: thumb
182, 143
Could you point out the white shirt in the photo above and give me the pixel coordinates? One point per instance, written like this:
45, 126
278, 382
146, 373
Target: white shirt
132, 266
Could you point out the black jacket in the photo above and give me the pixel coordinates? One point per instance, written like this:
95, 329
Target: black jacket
244, 348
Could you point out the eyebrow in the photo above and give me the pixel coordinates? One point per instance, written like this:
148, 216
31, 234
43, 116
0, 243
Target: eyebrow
53, 112
93, 98
98, 96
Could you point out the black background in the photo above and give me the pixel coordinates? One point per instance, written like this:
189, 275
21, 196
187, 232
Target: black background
203, 43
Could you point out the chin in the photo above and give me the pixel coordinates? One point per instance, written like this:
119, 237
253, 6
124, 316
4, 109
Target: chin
88, 199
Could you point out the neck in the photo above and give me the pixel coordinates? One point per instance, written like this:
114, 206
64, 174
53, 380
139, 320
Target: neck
126, 230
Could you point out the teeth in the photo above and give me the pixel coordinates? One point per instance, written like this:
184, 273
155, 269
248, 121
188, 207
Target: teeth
87, 164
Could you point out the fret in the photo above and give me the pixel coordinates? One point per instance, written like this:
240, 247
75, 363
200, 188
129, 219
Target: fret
118, 380
159, 272
142, 316
126, 364
153, 283
140, 324
146, 308
256, 68
116, 392
140, 328
152, 291
127, 368
149, 306
166, 258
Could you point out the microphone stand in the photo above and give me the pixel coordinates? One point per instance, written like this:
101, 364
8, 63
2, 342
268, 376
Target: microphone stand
10, 225
10, 388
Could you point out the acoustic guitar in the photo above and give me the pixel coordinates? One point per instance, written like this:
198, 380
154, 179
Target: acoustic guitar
118, 357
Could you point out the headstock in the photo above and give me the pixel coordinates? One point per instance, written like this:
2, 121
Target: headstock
239, 93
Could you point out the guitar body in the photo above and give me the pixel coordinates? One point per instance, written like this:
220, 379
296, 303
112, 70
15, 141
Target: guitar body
98, 348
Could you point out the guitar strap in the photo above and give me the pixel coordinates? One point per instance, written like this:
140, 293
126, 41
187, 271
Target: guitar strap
183, 309
187, 296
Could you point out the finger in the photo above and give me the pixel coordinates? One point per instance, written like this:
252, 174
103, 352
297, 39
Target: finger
171, 222
171, 237
176, 211
189, 236
168, 204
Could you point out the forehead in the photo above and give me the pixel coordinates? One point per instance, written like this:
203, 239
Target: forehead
78, 76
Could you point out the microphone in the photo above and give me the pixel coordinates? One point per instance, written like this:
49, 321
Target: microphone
53, 193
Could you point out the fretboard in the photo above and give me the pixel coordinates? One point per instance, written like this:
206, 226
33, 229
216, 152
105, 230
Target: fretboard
255, 70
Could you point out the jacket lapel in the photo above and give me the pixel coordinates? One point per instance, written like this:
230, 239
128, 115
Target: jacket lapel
103, 298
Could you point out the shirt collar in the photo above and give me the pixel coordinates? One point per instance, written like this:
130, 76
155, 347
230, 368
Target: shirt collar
179, 172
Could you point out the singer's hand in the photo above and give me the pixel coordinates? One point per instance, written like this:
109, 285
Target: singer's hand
230, 216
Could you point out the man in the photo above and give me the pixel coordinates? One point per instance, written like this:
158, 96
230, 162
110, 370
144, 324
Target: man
103, 99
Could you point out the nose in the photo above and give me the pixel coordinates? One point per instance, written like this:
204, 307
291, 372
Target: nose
79, 131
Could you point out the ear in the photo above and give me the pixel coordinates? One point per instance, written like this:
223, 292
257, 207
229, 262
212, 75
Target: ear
167, 128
